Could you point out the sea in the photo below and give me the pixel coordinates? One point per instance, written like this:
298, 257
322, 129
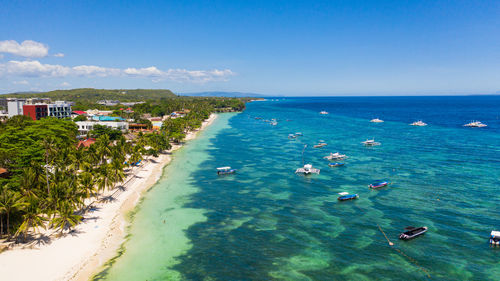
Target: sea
267, 223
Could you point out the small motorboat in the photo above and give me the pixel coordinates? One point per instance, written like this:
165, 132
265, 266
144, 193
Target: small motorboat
225, 170
336, 164
412, 232
344, 196
323, 112
307, 170
378, 184
376, 120
371, 142
320, 144
495, 237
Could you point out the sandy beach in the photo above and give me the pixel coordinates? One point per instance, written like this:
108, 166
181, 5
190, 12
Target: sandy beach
80, 254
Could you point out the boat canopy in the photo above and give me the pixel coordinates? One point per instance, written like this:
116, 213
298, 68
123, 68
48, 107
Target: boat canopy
343, 193
495, 233
224, 168
308, 166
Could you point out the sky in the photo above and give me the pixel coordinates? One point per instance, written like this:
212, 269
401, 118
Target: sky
304, 48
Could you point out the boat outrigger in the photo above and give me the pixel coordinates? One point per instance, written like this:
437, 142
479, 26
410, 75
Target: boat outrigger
336, 164
344, 196
412, 232
371, 142
495, 238
335, 156
225, 170
378, 184
307, 170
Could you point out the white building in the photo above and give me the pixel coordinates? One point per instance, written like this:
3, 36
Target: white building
59, 109
15, 107
84, 127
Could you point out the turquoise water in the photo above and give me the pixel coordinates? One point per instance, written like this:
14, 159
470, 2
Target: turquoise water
266, 223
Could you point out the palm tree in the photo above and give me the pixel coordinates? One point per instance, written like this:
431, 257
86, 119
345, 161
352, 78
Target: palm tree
10, 201
66, 218
31, 218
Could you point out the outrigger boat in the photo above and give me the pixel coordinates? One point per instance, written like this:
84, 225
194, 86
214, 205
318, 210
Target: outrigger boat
344, 196
323, 112
376, 120
371, 142
412, 232
320, 144
379, 184
225, 170
307, 170
291, 136
475, 124
336, 164
335, 156
419, 123
495, 238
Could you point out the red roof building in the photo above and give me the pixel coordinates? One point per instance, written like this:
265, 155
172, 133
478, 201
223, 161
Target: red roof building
79, 112
86, 143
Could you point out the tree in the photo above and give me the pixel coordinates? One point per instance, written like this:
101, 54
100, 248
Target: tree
10, 201
80, 118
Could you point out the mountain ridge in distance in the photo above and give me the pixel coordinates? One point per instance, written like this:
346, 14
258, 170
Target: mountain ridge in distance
223, 94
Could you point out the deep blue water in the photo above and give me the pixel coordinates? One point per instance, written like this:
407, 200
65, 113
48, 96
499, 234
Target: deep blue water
267, 223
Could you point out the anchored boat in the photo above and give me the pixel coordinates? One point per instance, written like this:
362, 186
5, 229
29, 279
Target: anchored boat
307, 170
371, 142
225, 170
475, 124
376, 120
336, 164
379, 184
419, 123
344, 196
335, 156
412, 232
495, 238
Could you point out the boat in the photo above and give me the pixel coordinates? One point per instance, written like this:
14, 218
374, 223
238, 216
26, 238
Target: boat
307, 170
495, 237
371, 142
412, 232
379, 184
320, 145
291, 136
335, 156
298, 134
344, 196
323, 112
336, 164
419, 123
376, 120
225, 170
475, 124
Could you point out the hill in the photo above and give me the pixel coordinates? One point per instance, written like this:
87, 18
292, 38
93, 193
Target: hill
223, 94
93, 95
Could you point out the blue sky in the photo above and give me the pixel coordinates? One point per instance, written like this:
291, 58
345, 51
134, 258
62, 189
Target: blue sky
274, 47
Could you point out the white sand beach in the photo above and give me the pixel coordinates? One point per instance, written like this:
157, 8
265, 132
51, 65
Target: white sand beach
80, 254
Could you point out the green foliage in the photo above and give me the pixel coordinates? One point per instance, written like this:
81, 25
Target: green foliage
80, 118
101, 130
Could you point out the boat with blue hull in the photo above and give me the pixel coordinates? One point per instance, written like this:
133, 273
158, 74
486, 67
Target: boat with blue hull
379, 184
225, 171
336, 164
345, 196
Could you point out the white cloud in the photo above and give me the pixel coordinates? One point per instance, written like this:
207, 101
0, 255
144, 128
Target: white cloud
59, 55
65, 84
22, 82
27, 48
36, 69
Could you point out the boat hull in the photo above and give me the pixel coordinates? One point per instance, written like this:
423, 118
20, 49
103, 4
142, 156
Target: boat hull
379, 185
348, 197
226, 172
413, 233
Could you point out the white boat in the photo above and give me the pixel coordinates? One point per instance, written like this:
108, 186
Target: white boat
335, 156
323, 112
376, 120
274, 123
291, 136
419, 123
475, 124
307, 170
495, 237
225, 170
371, 142
298, 134
320, 145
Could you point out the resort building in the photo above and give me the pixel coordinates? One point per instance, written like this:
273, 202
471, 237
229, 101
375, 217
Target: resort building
84, 127
35, 111
15, 107
59, 109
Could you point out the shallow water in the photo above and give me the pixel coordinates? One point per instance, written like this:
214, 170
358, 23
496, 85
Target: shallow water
265, 222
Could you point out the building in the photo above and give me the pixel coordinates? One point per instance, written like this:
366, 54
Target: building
15, 107
35, 111
59, 109
109, 102
84, 127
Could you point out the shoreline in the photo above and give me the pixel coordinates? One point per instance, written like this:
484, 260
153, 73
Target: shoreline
80, 255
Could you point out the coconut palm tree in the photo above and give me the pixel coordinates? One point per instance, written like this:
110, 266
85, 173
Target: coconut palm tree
66, 218
10, 201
